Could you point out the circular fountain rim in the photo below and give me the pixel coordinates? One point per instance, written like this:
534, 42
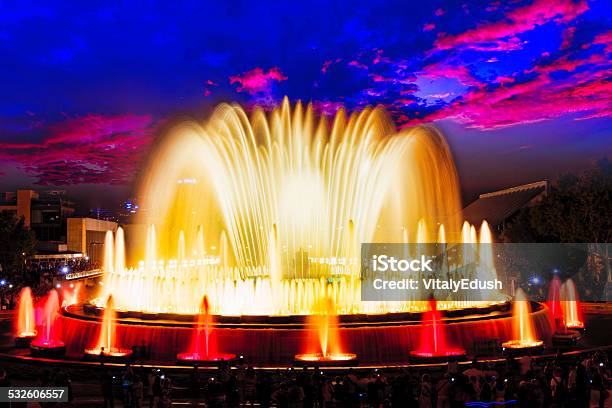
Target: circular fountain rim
84, 311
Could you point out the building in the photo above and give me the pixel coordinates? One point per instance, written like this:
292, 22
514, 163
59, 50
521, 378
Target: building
50, 214
86, 236
44, 212
498, 207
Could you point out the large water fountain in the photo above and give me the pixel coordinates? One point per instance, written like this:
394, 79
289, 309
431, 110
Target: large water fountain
264, 215
259, 213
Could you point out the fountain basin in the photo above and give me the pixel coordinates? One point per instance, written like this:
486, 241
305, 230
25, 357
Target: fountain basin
331, 359
114, 354
42, 348
522, 347
24, 339
275, 340
196, 358
421, 357
576, 326
566, 338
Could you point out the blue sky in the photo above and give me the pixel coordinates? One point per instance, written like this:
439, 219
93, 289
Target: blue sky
520, 88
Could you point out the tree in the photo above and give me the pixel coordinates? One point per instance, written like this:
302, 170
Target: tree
17, 244
576, 210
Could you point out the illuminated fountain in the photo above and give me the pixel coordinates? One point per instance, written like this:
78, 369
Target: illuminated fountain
433, 346
323, 343
554, 302
257, 213
524, 338
204, 345
48, 341
26, 324
572, 315
264, 215
106, 346
570, 325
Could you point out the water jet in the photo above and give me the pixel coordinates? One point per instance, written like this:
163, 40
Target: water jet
26, 323
106, 347
433, 345
48, 341
524, 340
203, 348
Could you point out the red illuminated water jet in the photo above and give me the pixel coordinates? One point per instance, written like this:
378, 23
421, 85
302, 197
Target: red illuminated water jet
433, 344
554, 302
49, 340
25, 330
323, 344
571, 325
203, 347
106, 346
523, 340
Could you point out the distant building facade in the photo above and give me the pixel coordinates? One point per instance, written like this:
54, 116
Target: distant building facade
43, 212
86, 236
50, 214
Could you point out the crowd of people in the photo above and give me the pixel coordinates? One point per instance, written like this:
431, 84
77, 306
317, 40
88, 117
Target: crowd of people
521, 382
42, 273
566, 381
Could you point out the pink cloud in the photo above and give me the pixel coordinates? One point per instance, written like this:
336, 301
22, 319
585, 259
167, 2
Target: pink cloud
257, 81
439, 12
446, 70
501, 35
604, 38
504, 79
357, 64
528, 102
380, 58
429, 27
329, 63
570, 65
325, 66
568, 36
89, 149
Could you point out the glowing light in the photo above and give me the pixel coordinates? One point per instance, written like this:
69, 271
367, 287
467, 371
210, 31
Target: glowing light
433, 342
203, 344
106, 344
49, 335
25, 314
570, 304
324, 343
523, 330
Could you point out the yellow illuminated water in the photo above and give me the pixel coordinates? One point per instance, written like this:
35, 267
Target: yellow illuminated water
265, 214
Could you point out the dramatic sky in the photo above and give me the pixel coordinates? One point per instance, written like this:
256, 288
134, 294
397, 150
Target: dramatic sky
521, 89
